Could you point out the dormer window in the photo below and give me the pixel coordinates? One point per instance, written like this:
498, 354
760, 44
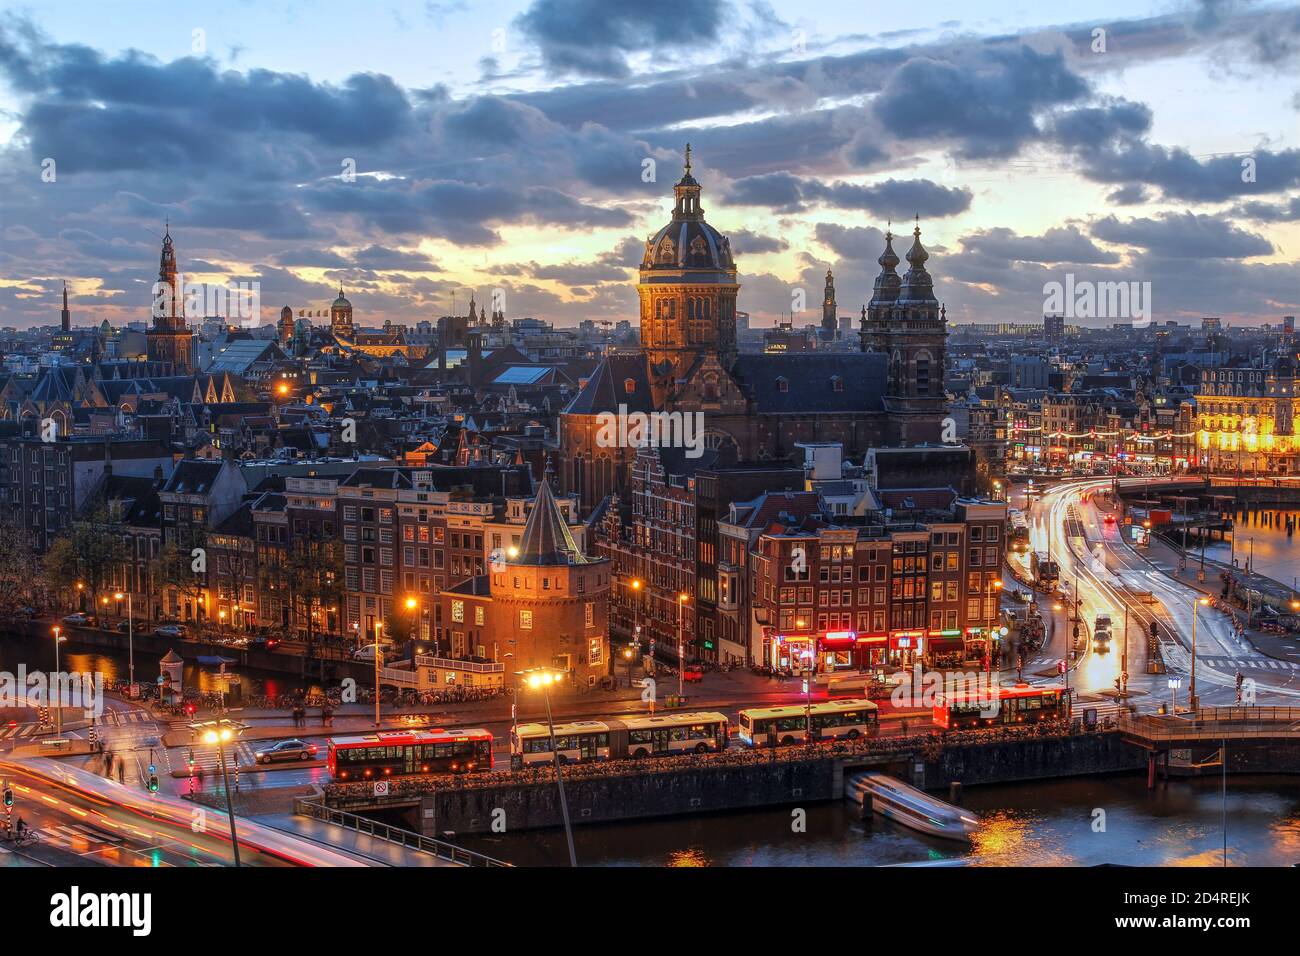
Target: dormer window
782, 384
629, 385
837, 383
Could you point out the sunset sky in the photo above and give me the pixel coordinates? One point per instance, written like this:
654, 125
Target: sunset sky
502, 145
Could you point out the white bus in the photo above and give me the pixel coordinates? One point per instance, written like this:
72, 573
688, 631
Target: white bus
620, 739
849, 719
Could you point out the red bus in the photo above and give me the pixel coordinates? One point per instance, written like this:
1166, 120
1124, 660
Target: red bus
400, 753
1021, 704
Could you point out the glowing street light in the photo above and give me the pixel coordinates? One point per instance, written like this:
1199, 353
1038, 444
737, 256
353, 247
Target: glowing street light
130, 638
1193, 702
218, 733
542, 678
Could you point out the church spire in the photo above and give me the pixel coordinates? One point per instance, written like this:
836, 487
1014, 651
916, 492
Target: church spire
65, 317
687, 192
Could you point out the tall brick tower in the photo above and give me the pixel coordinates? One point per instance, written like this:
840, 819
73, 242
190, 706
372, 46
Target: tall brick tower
168, 339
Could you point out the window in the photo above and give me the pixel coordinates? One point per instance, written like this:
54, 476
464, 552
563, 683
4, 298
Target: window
525, 620
591, 614
478, 615
458, 611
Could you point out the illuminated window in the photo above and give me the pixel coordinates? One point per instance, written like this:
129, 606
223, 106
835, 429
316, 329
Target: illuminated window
525, 620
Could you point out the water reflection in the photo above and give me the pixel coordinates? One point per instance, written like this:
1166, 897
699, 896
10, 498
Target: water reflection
1080, 822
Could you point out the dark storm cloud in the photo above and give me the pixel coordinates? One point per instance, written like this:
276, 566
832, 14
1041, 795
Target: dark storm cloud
1285, 211
986, 105
1060, 244
1183, 236
466, 212
744, 242
893, 198
593, 37
851, 243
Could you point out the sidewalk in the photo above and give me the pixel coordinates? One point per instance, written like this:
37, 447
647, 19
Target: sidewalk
1164, 558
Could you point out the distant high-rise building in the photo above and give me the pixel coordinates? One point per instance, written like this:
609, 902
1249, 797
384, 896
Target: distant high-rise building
1054, 327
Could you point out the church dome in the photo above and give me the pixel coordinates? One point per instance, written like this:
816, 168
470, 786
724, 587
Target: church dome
687, 242
341, 302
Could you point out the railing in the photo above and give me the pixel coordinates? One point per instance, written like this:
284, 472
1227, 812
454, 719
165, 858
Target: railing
449, 663
396, 835
398, 677
1216, 723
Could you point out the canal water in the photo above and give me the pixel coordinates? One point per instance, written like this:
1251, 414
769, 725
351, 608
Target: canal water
1078, 822
37, 654
1275, 555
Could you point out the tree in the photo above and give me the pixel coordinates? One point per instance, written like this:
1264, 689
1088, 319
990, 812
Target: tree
18, 571
91, 552
313, 575
178, 567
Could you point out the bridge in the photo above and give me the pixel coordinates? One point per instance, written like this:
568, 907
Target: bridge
1265, 739
1211, 725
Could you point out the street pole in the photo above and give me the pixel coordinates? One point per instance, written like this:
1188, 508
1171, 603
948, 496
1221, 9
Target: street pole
230, 801
559, 779
1123, 658
681, 656
58, 706
378, 626
130, 641
1191, 687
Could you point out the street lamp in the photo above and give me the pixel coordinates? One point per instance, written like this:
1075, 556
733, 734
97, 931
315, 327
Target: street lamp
636, 610
681, 652
130, 638
541, 678
1193, 703
378, 627
218, 733
56, 684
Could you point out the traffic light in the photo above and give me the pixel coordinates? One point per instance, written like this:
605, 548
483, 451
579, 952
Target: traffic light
153, 783
9, 796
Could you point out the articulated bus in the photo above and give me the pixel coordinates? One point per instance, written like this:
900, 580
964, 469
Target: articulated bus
622, 738
1017, 531
1021, 704
850, 718
402, 753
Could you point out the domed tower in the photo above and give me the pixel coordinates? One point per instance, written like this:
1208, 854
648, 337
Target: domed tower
688, 289
168, 338
341, 318
905, 321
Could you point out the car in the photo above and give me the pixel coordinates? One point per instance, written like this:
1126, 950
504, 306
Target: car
264, 643
367, 652
79, 620
169, 630
693, 673
135, 627
1109, 519
1102, 622
293, 749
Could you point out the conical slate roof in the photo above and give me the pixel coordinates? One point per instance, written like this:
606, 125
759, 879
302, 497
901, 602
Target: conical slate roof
546, 539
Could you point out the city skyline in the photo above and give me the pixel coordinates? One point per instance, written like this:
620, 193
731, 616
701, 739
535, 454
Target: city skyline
518, 160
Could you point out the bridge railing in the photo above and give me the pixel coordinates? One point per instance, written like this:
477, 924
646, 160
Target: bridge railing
391, 834
1214, 723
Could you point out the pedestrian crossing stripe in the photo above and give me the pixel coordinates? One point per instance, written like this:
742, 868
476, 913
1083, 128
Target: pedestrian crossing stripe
210, 760
68, 835
22, 730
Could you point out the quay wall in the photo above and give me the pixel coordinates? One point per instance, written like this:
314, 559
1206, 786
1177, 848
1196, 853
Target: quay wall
467, 806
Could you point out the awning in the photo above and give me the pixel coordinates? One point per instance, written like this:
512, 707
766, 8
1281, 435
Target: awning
947, 645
